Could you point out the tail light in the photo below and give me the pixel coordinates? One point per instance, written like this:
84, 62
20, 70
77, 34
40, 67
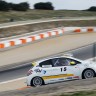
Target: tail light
29, 72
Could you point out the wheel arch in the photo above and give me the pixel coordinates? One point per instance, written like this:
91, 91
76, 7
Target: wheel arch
87, 69
39, 77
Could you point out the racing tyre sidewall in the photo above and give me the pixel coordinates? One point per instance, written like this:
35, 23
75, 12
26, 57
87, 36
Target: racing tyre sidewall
88, 74
37, 81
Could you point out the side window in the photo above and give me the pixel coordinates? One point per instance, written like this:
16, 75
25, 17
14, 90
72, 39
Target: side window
71, 60
46, 63
64, 62
56, 62
59, 62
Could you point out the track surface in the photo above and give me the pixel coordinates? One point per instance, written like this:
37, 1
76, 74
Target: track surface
55, 89
60, 44
45, 48
81, 53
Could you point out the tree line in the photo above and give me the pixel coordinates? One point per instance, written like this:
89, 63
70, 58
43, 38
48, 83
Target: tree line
44, 6
93, 8
24, 6
5, 6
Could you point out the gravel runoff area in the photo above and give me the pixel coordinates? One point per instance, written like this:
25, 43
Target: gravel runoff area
19, 30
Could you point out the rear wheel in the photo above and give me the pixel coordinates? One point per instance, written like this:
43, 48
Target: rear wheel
88, 73
36, 81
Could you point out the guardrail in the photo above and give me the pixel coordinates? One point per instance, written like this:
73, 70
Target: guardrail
44, 35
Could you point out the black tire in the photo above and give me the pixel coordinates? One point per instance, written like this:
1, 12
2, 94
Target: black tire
37, 81
88, 73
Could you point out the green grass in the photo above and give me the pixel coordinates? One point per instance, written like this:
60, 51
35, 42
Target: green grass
38, 14
81, 93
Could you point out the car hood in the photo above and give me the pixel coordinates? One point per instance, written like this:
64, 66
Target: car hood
89, 62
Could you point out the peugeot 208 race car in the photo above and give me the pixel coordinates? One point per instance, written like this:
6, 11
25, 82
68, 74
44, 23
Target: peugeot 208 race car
57, 69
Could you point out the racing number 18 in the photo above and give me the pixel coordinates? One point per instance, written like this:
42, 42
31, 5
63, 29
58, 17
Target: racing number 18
63, 69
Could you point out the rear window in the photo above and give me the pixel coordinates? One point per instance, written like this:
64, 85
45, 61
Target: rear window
46, 63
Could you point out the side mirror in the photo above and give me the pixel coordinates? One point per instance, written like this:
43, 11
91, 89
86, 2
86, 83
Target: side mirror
33, 63
72, 63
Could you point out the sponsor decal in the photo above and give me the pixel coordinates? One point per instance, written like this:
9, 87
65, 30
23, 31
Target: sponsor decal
63, 69
53, 80
77, 77
40, 71
43, 71
69, 77
61, 79
57, 76
37, 70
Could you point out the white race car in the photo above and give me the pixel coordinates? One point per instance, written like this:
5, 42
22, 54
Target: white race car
57, 69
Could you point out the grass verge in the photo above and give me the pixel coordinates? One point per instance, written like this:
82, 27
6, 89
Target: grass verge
39, 14
81, 93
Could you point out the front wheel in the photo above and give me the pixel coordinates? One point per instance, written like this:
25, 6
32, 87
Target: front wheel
88, 74
36, 81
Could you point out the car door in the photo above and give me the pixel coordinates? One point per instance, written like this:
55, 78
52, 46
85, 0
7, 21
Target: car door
48, 73
72, 70
59, 70
53, 73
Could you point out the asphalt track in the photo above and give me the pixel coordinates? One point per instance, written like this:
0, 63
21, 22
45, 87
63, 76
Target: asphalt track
54, 89
51, 89
20, 72
81, 53
47, 47
85, 53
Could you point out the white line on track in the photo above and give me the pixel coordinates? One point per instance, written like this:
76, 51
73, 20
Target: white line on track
9, 81
12, 80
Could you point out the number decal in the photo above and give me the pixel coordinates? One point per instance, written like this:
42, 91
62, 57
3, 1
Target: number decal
63, 69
